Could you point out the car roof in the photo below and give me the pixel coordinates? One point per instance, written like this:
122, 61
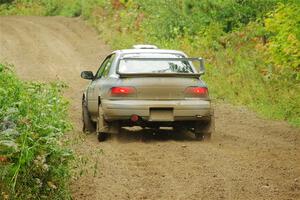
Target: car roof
162, 51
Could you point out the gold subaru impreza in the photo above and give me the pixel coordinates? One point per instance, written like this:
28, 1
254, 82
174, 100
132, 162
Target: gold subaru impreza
147, 87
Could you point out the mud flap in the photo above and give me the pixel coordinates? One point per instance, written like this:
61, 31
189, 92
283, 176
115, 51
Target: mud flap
102, 125
204, 129
106, 127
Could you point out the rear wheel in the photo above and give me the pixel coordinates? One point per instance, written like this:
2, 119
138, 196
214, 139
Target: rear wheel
102, 136
87, 124
204, 129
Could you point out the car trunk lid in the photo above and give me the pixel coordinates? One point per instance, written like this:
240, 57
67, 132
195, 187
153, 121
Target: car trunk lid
160, 88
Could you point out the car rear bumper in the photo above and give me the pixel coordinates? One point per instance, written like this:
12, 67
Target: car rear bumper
157, 110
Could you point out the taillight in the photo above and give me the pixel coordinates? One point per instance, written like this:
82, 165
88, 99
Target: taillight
196, 92
122, 91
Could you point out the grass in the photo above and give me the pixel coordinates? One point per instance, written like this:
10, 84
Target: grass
34, 164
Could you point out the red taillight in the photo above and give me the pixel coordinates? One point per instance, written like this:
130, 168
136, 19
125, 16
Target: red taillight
122, 91
196, 92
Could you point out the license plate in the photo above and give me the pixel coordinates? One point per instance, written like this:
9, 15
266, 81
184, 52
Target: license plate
161, 114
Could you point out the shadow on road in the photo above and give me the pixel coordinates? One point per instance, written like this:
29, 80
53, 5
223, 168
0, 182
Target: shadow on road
150, 135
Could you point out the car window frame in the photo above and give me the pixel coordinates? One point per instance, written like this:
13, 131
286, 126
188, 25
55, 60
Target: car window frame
108, 66
102, 67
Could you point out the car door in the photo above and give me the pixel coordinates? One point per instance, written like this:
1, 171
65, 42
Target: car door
95, 87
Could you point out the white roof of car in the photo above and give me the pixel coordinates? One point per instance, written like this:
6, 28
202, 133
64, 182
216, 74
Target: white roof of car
146, 48
127, 51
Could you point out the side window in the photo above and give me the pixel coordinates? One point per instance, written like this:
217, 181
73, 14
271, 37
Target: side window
105, 66
108, 66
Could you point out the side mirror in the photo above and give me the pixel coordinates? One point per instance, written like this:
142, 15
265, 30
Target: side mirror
202, 68
87, 75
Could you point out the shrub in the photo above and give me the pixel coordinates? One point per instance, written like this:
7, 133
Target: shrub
283, 24
232, 38
33, 162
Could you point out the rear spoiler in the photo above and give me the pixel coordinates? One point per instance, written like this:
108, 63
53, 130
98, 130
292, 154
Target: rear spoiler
194, 75
128, 75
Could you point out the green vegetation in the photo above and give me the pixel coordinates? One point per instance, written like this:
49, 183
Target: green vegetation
69, 8
283, 25
33, 161
251, 47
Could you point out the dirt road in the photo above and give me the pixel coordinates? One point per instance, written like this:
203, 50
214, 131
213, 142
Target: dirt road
248, 157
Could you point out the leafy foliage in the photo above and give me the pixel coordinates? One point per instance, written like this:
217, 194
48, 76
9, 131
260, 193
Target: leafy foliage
251, 47
33, 163
283, 24
69, 8
247, 44
249, 61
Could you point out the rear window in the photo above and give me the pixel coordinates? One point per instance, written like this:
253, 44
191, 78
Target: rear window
154, 63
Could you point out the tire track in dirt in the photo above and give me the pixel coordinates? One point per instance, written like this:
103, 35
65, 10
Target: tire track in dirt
248, 157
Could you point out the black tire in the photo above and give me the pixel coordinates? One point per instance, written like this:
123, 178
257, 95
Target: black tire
102, 136
88, 124
204, 129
